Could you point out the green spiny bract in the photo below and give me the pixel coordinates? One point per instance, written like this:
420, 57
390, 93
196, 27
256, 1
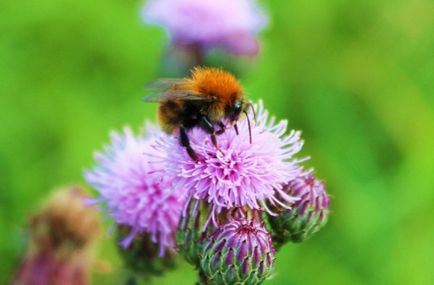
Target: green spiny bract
192, 232
237, 252
306, 216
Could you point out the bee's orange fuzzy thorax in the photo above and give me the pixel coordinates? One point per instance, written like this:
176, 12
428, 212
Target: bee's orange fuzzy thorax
216, 82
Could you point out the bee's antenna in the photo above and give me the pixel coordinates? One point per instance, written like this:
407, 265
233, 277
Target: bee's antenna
253, 111
250, 128
236, 129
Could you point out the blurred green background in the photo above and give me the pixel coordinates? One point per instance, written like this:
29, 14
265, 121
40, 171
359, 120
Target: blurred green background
355, 76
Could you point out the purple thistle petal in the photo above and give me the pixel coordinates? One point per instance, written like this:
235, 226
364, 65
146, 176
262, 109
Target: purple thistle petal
125, 243
239, 174
135, 189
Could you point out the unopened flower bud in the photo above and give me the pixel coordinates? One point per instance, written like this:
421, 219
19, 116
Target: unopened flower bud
60, 236
238, 252
193, 230
307, 215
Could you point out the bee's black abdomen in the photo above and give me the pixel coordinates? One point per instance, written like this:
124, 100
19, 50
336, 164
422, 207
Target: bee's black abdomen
173, 114
190, 115
168, 115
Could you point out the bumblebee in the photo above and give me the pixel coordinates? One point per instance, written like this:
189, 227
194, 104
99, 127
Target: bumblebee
208, 99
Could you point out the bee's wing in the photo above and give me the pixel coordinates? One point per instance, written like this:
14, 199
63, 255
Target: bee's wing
165, 89
165, 83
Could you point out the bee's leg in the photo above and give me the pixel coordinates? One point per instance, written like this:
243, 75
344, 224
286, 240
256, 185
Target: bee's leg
185, 142
236, 129
222, 128
210, 129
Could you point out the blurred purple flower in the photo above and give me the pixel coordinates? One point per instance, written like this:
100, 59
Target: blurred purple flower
61, 235
239, 173
134, 190
205, 24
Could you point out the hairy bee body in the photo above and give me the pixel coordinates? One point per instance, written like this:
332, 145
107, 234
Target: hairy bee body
209, 98
174, 114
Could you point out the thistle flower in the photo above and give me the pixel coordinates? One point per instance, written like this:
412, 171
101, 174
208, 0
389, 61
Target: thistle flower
135, 191
60, 237
204, 24
238, 173
238, 252
307, 216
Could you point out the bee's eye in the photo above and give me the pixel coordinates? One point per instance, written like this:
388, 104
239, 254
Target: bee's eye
237, 106
235, 110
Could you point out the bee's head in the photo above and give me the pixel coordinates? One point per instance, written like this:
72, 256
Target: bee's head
234, 110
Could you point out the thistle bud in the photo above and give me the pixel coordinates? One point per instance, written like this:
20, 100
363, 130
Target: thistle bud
238, 252
307, 215
193, 230
60, 235
142, 255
